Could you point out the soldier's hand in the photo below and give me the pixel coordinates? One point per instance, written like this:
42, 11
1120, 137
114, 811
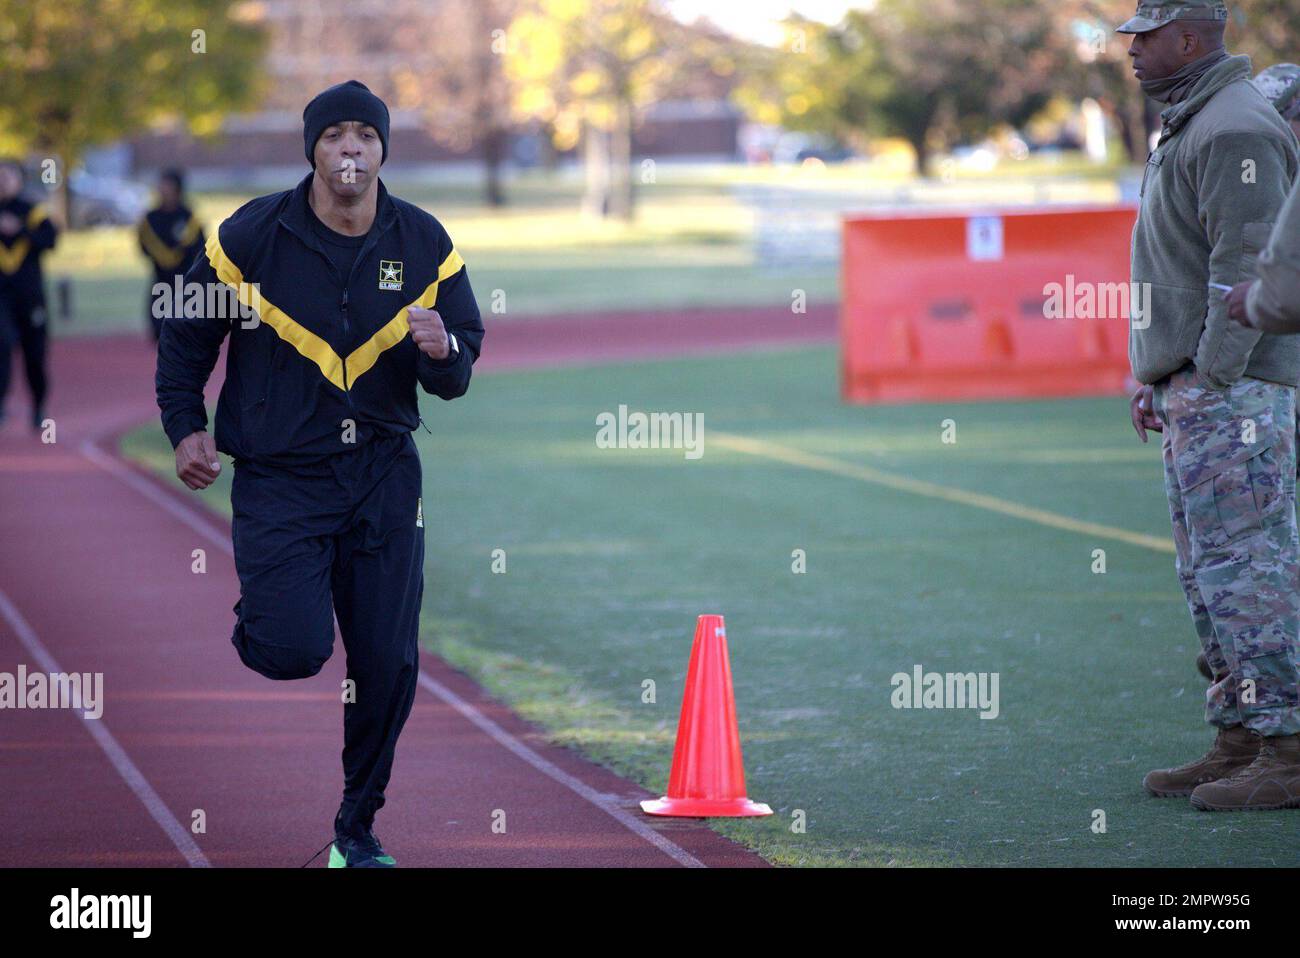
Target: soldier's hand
428, 332
1236, 301
197, 464
1142, 410
9, 224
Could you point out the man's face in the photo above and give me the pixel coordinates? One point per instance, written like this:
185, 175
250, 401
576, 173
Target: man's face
347, 157
10, 182
1161, 52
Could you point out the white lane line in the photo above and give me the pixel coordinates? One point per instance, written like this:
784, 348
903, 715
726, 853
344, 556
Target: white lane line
550, 769
178, 510
221, 539
152, 802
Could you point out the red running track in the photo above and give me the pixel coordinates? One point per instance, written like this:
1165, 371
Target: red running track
95, 577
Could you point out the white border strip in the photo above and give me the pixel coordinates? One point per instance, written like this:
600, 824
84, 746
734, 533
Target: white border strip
152, 802
220, 538
550, 769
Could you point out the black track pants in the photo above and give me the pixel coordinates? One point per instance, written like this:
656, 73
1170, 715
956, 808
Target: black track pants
24, 325
338, 538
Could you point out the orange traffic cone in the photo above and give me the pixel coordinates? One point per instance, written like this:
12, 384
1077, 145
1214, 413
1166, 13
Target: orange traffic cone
708, 777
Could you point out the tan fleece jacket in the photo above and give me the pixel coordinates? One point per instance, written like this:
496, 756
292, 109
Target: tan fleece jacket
1213, 188
1274, 301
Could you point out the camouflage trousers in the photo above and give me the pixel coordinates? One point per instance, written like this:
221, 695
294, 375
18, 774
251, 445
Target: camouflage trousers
1230, 473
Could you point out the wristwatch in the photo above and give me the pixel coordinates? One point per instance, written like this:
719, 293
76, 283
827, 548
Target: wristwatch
453, 347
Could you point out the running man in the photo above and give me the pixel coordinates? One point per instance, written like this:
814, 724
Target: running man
359, 297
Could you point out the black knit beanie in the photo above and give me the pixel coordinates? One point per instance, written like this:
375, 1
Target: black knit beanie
343, 101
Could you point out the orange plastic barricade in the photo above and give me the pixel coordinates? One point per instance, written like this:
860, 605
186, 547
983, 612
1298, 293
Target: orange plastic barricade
996, 304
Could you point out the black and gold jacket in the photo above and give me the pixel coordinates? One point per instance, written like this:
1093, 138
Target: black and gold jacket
172, 239
20, 254
321, 362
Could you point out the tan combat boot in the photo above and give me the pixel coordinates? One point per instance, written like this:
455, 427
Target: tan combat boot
1233, 749
1270, 782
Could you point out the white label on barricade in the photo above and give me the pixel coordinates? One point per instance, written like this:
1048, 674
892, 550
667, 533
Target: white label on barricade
984, 238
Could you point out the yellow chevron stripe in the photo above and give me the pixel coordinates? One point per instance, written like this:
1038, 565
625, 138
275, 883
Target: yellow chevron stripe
361, 359
367, 354
192, 229
168, 257
307, 343
159, 252
12, 257
450, 267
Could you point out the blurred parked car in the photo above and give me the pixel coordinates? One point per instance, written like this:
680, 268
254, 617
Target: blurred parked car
830, 153
105, 201
797, 147
94, 200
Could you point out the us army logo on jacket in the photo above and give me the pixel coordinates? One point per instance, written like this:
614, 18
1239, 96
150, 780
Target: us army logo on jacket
390, 274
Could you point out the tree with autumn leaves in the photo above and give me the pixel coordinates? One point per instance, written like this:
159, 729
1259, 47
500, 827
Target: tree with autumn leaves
937, 72
585, 69
78, 73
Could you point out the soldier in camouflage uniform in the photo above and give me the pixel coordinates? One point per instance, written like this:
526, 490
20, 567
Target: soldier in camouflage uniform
1272, 302
1224, 397
1231, 504
1280, 85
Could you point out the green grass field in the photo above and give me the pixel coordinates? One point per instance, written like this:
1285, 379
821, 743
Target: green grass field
612, 553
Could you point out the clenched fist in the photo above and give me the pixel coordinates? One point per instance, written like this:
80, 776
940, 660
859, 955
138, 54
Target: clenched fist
197, 464
428, 332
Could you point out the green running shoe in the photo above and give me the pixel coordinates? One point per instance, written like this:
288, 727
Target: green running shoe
359, 853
